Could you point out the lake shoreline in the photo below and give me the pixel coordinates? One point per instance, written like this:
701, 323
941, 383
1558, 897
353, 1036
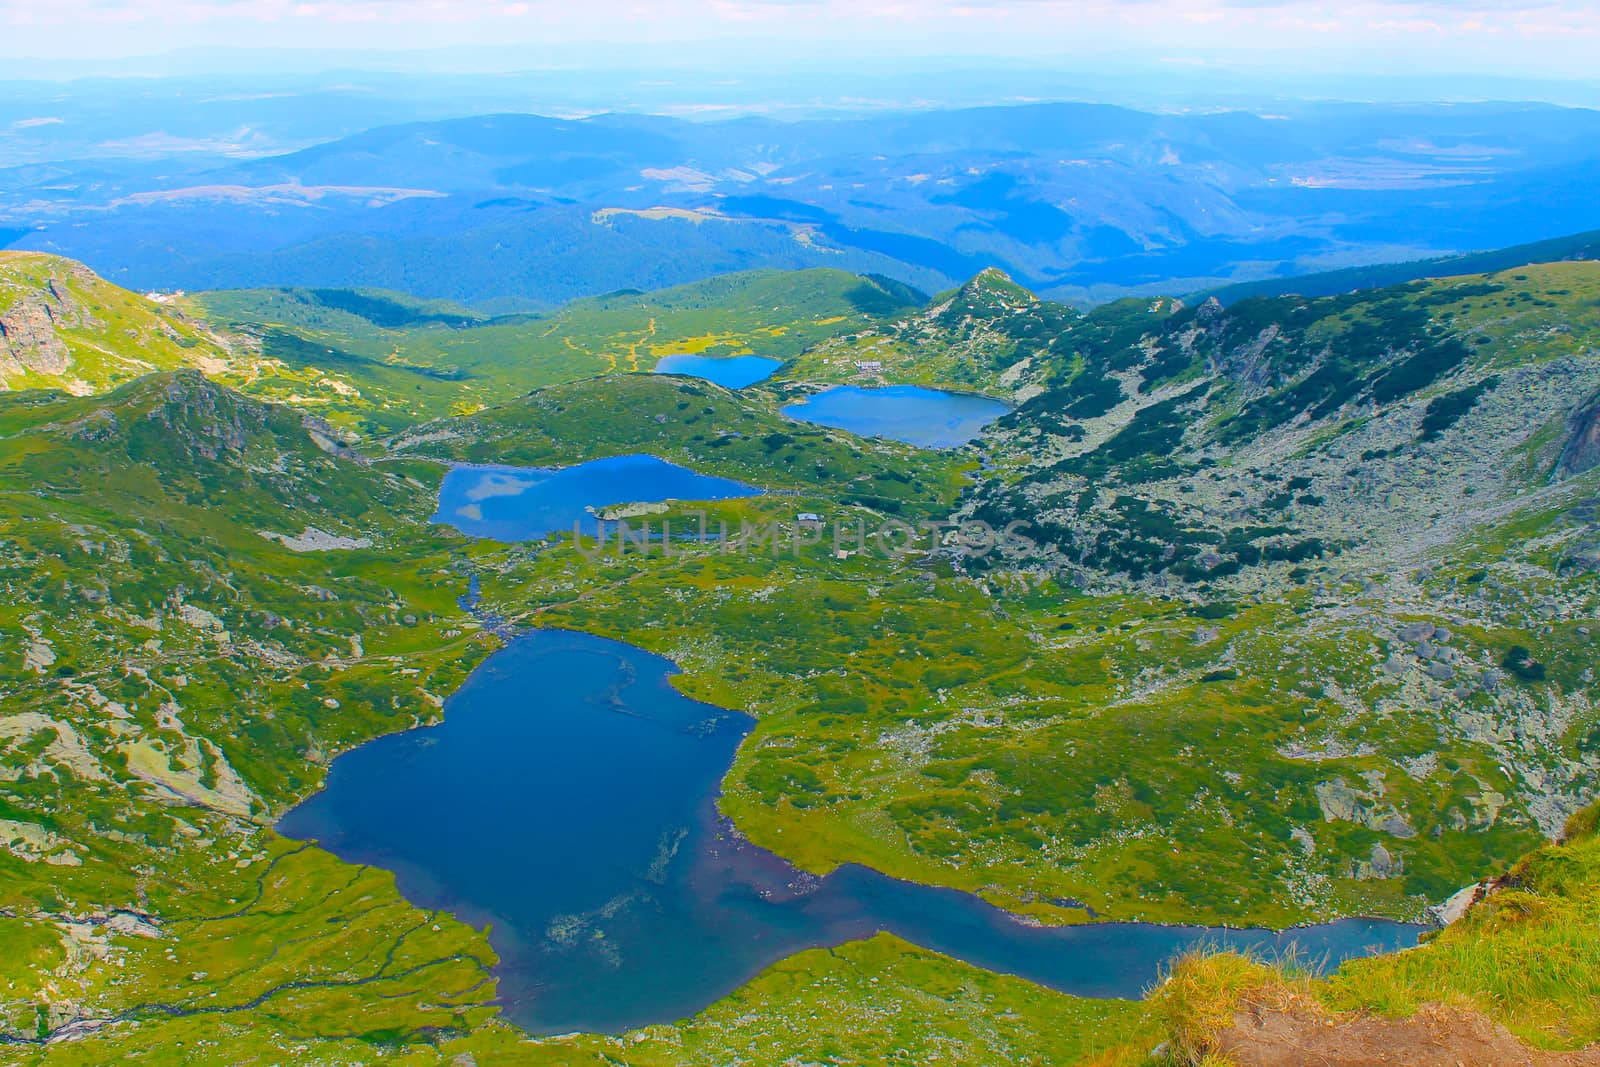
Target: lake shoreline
914, 414
717, 901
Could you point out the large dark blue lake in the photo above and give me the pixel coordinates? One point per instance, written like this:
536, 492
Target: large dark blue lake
730, 372
568, 799
928, 418
528, 503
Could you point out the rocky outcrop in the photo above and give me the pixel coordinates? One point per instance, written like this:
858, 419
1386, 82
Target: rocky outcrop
206, 418
28, 338
1380, 865
1340, 803
315, 540
31, 326
1456, 907
1249, 363
1583, 445
325, 437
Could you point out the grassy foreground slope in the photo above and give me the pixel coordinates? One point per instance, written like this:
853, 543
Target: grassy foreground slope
865, 1002
1516, 981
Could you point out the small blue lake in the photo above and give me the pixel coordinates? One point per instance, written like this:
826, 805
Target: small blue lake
730, 372
528, 503
928, 418
568, 799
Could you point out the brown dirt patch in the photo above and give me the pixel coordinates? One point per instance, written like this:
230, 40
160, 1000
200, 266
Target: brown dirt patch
1300, 1035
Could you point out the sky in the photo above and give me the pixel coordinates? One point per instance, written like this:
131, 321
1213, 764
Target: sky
1511, 38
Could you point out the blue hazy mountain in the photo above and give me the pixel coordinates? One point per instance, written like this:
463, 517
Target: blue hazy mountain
1077, 201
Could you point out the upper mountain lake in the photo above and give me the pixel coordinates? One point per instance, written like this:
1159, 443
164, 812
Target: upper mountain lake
928, 418
730, 372
568, 799
528, 503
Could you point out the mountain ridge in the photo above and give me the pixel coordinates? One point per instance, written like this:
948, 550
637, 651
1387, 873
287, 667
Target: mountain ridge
1582, 246
1081, 202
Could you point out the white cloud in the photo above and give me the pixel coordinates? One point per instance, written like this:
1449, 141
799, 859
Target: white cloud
1510, 36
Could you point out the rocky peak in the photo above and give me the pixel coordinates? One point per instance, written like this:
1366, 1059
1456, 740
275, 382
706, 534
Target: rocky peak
990, 295
996, 284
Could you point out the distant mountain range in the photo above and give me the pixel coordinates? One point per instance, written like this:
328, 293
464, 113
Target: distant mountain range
1080, 202
1577, 247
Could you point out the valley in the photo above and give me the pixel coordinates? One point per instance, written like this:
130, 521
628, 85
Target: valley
1300, 630
1082, 201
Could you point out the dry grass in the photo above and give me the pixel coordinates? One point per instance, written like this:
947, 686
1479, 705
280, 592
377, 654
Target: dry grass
1526, 958
1204, 993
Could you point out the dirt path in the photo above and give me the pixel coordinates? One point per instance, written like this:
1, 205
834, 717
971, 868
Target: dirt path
1434, 1037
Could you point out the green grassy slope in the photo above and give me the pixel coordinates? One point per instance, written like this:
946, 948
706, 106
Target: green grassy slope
172, 679
61, 327
1528, 956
